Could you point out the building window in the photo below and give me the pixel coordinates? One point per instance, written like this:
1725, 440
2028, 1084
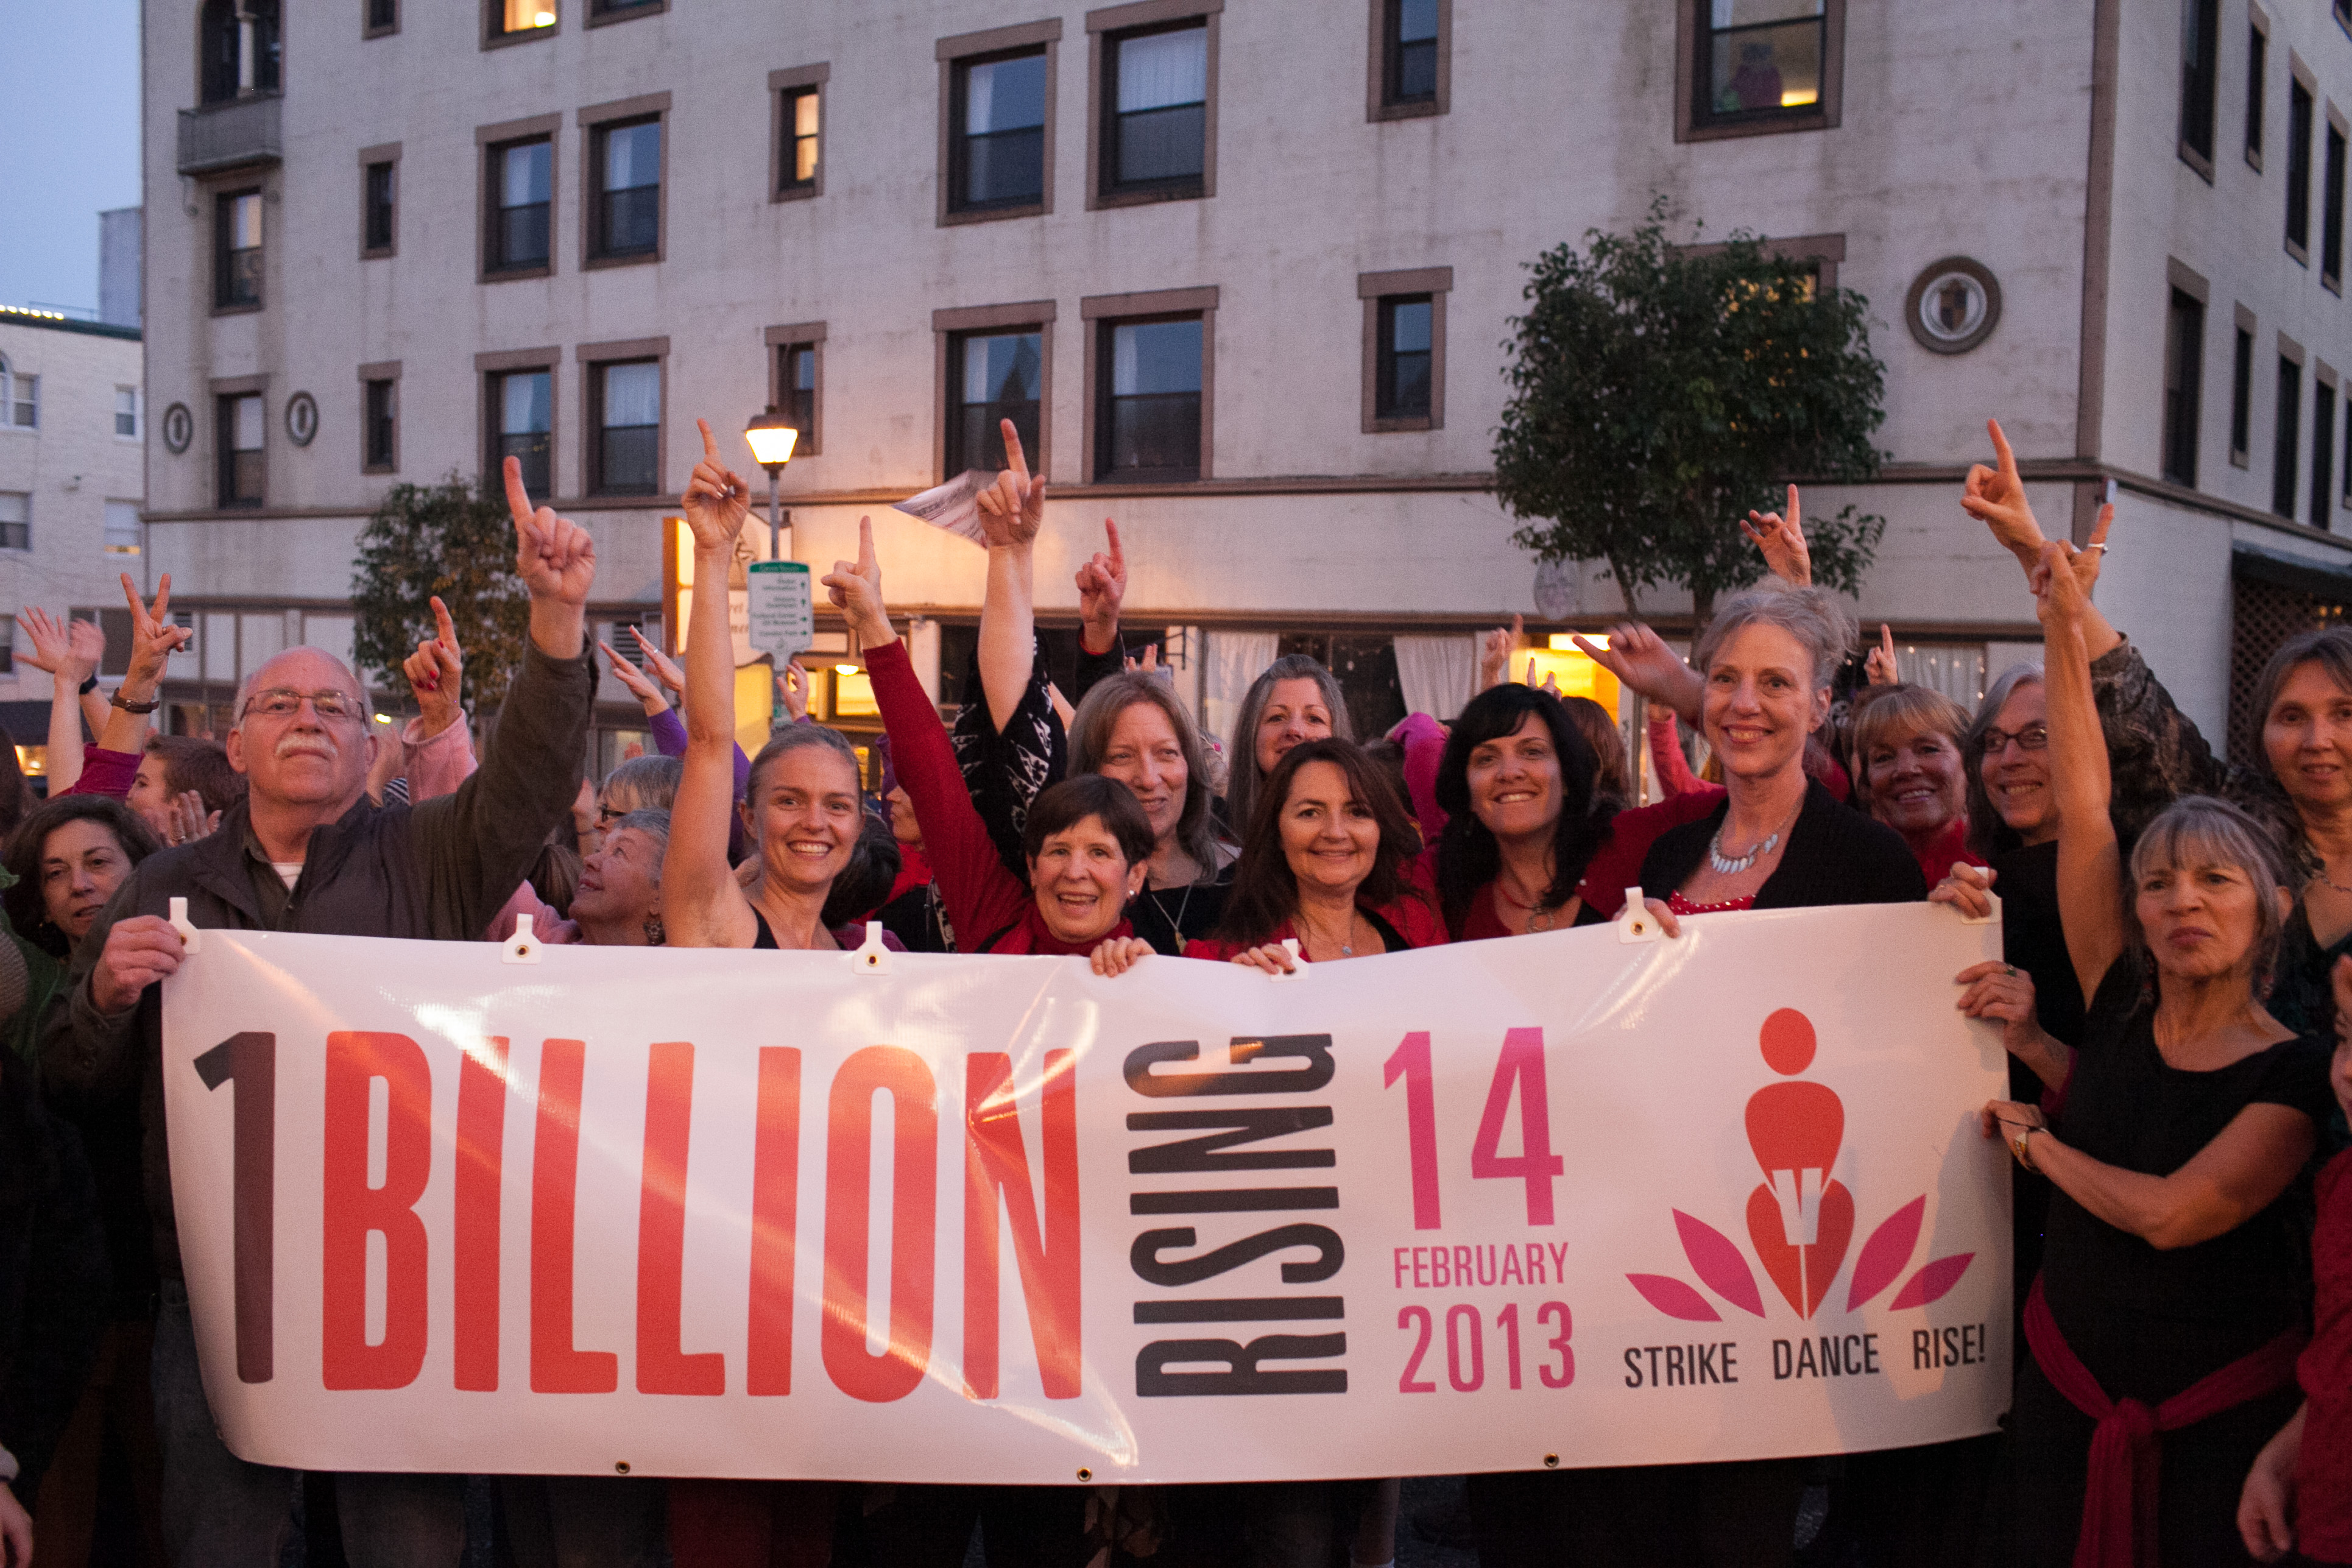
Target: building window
2258, 48
2184, 368
378, 191
382, 16
1155, 121
8, 644
2298, 171
627, 159
122, 533
15, 521
998, 110
237, 250
2200, 39
2288, 446
522, 425
522, 188
624, 415
2323, 455
1408, 53
2331, 211
796, 381
2241, 396
20, 398
240, 49
994, 376
800, 126
380, 424
1401, 376
1148, 416
511, 19
1760, 61
243, 462
126, 412
600, 11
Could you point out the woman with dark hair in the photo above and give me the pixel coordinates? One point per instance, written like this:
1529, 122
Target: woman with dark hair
2173, 1279
1328, 862
68, 857
1518, 786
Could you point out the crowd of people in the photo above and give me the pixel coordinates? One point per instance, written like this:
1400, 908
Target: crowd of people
2173, 996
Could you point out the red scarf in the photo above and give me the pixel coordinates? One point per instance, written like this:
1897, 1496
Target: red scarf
2119, 1500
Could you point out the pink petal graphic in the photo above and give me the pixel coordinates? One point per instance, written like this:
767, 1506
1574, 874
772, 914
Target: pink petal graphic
1674, 1299
1886, 1251
1931, 1282
1720, 1266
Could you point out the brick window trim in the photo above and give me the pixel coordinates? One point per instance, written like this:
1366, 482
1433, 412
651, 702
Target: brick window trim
1371, 288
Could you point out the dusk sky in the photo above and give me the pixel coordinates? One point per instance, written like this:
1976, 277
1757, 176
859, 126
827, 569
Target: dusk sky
70, 76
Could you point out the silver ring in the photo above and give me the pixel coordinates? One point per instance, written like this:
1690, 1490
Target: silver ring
2098, 547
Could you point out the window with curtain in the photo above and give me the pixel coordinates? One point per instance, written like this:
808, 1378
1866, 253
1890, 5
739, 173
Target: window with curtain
804, 107
994, 376
998, 110
126, 412
242, 440
122, 533
523, 191
523, 410
1758, 59
1148, 424
629, 221
1156, 128
15, 520
628, 428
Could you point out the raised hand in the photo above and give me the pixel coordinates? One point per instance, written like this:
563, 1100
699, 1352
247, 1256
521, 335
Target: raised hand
1878, 667
1013, 509
1494, 653
1639, 658
665, 668
1782, 541
1150, 663
435, 674
1996, 497
2061, 585
717, 500
792, 690
557, 562
1547, 684
2094, 558
189, 819
154, 637
639, 686
855, 590
74, 649
1102, 589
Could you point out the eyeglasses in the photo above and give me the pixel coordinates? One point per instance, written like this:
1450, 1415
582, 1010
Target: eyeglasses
283, 702
2033, 738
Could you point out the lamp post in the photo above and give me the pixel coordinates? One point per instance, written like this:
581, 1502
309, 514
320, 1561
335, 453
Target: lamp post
771, 438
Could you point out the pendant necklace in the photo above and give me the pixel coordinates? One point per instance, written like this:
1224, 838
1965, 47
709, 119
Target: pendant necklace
1538, 919
1731, 866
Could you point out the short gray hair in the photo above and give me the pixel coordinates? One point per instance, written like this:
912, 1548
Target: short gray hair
245, 688
653, 779
1816, 618
2200, 829
654, 824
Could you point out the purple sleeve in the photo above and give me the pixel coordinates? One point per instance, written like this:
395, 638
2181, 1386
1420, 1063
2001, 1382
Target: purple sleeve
670, 740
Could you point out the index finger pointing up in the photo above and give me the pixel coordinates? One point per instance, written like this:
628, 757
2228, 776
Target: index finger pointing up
1014, 458
446, 629
2008, 459
709, 446
1117, 556
518, 498
865, 562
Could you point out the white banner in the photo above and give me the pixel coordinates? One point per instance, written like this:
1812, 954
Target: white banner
1563, 1200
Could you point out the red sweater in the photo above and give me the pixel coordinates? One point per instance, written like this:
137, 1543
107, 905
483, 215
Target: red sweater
2322, 1491
106, 772
987, 905
1413, 918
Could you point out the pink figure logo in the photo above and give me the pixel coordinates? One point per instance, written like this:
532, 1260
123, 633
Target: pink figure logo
1800, 1218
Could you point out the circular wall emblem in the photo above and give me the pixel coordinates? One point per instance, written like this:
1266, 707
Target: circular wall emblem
301, 417
1555, 590
178, 428
1953, 305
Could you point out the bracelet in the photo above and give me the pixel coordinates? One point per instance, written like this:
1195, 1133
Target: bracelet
141, 708
89, 686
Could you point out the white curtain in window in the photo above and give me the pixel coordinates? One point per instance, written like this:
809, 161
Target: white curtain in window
633, 157
632, 394
1435, 672
1163, 70
526, 401
1957, 670
1235, 659
249, 424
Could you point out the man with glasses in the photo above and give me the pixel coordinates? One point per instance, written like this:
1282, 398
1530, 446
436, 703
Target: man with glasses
308, 852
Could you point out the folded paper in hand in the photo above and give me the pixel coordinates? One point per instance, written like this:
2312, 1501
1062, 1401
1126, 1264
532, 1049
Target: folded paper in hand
953, 506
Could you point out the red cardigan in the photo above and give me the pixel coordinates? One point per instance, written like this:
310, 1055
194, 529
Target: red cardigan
1413, 917
987, 905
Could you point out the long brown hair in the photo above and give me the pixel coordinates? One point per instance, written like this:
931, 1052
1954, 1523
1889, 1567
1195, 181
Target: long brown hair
1266, 892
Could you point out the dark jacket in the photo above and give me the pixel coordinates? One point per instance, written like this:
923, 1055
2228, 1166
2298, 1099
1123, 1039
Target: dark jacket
438, 871
53, 1282
1835, 855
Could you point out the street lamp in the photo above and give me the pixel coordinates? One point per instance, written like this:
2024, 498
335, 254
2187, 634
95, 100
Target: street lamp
771, 438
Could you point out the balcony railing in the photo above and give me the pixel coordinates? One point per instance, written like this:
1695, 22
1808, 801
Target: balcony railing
229, 135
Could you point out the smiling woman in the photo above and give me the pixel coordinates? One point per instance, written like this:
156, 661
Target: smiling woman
1906, 748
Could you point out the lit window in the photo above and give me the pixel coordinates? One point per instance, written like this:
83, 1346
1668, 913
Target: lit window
512, 16
1760, 59
803, 109
122, 533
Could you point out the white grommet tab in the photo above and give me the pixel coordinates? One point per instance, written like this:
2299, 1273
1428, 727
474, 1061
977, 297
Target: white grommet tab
1290, 946
523, 946
1636, 923
193, 938
871, 956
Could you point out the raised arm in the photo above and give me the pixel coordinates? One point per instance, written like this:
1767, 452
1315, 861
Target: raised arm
1996, 497
1782, 541
153, 640
1011, 512
69, 650
435, 751
2089, 863
1636, 656
703, 904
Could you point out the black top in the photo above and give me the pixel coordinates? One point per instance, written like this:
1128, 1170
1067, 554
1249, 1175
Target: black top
2147, 1324
1168, 918
2034, 939
1835, 855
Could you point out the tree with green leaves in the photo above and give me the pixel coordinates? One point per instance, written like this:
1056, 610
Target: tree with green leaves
454, 541
1660, 393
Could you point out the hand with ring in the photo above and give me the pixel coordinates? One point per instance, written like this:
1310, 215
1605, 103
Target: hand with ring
1968, 889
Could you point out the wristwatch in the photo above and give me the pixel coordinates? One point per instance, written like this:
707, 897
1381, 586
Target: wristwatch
2017, 1145
89, 686
139, 708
